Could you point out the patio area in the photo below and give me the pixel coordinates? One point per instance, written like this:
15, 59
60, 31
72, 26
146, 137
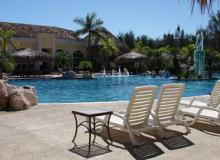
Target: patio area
45, 132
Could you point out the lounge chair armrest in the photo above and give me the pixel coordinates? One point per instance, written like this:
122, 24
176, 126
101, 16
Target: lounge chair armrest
202, 99
218, 107
155, 117
207, 108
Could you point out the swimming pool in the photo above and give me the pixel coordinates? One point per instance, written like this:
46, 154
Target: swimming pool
103, 89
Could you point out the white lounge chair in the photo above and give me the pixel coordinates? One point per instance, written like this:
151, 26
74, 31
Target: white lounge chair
135, 119
204, 108
166, 112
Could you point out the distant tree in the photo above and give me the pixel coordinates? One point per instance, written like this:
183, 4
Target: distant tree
7, 62
168, 39
63, 60
214, 31
121, 36
179, 37
108, 49
187, 51
176, 70
155, 61
90, 25
140, 48
128, 38
143, 39
167, 49
86, 65
211, 57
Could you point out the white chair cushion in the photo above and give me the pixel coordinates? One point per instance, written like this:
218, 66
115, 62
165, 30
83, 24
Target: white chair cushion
209, 114
113, 120
195, 103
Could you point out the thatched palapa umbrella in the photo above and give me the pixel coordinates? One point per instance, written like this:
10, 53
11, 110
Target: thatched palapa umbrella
132, 55
29, 56
131, 58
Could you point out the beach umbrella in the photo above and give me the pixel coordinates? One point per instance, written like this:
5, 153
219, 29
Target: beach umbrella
132, 55
132, 59
30, 54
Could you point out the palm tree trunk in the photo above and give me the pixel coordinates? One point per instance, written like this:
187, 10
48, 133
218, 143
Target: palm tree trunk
4, 46
89, 47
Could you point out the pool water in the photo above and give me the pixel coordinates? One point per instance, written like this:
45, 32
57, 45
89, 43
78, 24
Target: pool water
103, 89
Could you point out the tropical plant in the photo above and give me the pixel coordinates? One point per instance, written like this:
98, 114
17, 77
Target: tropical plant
187, 51
90, 25
108, 49
86, 65
211, 57
144, 40
140, 48
128, 38
7, 62
176, 70
6, 39
63, 59
168, 39
214, 31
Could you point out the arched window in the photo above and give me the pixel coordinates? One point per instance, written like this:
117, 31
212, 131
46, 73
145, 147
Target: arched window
77, 57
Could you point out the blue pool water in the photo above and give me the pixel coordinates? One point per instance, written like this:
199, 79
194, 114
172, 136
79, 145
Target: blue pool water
103, 89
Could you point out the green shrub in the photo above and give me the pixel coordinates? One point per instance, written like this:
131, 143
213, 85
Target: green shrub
86, 65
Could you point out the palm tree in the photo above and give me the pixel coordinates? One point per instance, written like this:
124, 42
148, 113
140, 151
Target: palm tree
212, 57
203, 4
90, 25
63, 60
6, 39
7, 63
108, 48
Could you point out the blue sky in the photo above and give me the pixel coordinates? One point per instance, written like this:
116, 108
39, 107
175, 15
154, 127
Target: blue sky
150, 17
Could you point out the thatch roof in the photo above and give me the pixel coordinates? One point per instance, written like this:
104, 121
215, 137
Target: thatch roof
166, 55
30, 30
132, 55
32, 54
104, 33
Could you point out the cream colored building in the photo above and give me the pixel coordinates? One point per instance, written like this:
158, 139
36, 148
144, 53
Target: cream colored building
52, 40
47, 39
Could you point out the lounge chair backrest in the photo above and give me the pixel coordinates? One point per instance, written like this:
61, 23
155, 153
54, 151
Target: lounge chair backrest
168, 101
215, 95
139, 107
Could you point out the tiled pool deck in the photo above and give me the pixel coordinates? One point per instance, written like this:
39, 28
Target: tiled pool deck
45, 132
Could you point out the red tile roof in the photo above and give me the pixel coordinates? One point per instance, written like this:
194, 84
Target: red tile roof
29, 30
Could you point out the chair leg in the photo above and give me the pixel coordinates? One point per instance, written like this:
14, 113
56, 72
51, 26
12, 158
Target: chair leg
161, 132
183, 120
132, 137
187, 127
131, 134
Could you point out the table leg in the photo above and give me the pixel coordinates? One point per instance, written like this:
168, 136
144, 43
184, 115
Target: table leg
76, 131
94, 130
90, 132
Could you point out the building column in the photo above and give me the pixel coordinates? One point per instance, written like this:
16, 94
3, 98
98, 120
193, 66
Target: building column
39, 43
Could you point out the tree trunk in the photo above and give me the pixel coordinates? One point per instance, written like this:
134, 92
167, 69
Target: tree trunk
88, 48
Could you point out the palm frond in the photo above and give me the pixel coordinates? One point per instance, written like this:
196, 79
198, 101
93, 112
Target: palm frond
79, 21
203, 4
81, 31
